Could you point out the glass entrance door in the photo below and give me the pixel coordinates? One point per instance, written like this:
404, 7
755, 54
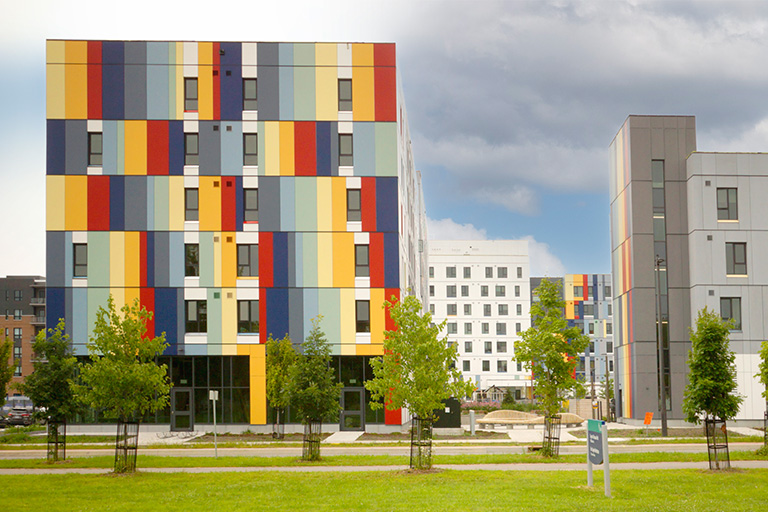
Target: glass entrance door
181, 409
352, 409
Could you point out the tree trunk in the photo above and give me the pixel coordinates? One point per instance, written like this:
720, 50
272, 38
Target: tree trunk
310, 449
421, 443
717, 443
126, 445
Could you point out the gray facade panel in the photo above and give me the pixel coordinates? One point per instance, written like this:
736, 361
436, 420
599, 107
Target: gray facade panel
135, 92
136, 202
76, 146
268, 91
268, 54
269, 203
210, 148
55, 261
162, 264
136, 52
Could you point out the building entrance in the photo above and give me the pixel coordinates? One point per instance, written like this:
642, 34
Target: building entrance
352, 409
182, 416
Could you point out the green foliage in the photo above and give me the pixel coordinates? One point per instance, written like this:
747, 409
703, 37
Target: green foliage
122, 377
6, 365
313, 388
607, 392
763, 375
551, 349
50, 385
280, 358
418, 369
711, 386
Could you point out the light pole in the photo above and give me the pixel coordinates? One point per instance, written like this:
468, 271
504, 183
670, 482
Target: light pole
660, 350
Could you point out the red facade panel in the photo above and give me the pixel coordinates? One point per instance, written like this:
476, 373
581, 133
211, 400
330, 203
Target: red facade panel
265, 261
94, 80
305, 148
385, 93
384, 54
228, 204
157, 148
143, 259
368, 203
98, 203
376, 259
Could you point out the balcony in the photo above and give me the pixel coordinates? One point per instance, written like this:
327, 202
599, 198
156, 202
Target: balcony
37, 301
38, 320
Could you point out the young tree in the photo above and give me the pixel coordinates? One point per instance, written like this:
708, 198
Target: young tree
6, 365
314, 389
50, 385
763, 377
122, 377
280, 358
417, 372
551, 350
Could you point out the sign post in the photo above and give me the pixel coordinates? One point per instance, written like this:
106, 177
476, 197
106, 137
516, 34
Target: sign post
647, 421
597, 452
213, 396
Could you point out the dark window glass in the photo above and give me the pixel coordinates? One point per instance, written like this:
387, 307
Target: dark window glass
249, 94
467, 272
196, 316
486, 366
501, 366
95, 148
190, 94
250, 204
501, 347
191, 208
519, 272
80, 260
191, 260
501, 272
468, 347
501, 328
18, 295
362, 268
354, 212
247, 260
345, 94
345, 149
730, 309
488, 272
465, 365
467, 328
250, 149
488, 347
451, 309
248, 316
363, 315
736, 258
727, 204
501, 290
450, 291
191, 149
483, 290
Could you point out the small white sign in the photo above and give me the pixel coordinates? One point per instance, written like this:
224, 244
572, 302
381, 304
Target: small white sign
213, 394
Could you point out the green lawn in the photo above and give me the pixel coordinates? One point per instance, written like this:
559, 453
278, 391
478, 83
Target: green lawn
649, 490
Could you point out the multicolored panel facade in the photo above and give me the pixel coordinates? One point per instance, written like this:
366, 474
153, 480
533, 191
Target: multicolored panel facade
238, 190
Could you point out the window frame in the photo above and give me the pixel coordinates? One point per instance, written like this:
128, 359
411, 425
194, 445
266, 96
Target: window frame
730, 212
95, 149
450, 291
346, 158
250, 214
468, 347
354, 214
247, 260
501, 328
191, 211
345, 103
487, 347
501, 366
362, 316
450, 272
247, 99
189, 264
501, 272
191, 100
503, 309
501, 290
731, 301
451, 309
191, 157
245, 322
250, 157
732, 267
466, 365
467, 272
200, 323
362, 260
79, 260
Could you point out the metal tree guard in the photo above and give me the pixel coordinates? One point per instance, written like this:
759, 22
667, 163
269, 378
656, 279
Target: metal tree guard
551, 443
717, 443
421, 443
126, 445
310, 448
57, 441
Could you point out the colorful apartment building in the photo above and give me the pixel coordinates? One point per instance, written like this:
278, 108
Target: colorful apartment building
238, 190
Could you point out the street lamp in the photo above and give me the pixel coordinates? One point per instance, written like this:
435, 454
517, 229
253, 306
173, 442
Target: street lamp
660, 350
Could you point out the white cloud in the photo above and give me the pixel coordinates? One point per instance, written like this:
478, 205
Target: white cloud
751, 140
543, 261
447, 229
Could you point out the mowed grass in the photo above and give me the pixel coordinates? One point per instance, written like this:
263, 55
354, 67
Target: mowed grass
155, 461
454, 490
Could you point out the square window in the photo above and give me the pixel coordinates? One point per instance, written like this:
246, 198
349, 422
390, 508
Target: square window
467, 309
190, 94
488, 347
501, 366
451, 309
17, 314
465, 365
345, 150
736, 258
727, 204
452, 328
450, 272
362, 316
503, 309
489, 272
95, 148
486, 310
589, 310
465, 290
250, 149
730, 309
80, 260
483, 290
250, 94
501, 329
501, 290
354, 211
501, 272
248, 316
501, 347
467, 272
191, 149
517, 290
196, 315
345, 95
362, 266
450, 291
247, 260
578, 291
486, 366
468, 347
467, 328
191, 260
250, 204
485, 328
17, 334
191, 204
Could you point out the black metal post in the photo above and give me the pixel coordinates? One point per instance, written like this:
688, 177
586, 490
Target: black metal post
660, 351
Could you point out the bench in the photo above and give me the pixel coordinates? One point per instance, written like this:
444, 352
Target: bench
511, 417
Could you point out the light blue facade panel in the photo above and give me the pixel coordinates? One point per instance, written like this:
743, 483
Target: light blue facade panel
109, 146
330, 307
311, 308
232, 148
286, 93
287, 204
364, 149
98, 258
80, 314
157, 82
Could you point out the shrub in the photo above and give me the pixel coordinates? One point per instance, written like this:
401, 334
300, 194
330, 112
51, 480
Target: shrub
481, 406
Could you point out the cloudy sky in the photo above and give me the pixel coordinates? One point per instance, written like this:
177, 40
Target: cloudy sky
511, 104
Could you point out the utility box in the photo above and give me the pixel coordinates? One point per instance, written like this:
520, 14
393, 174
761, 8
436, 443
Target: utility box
450, 415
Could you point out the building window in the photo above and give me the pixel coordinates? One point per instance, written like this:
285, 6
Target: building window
519, 366
501, 290
607, 291
450, 271
197, 315
17, 334
736, 258
468, 347
95, 148
467, 327
354, 211
465, 290
609, 328
345, 149
465, 365
589, 292
248, 316
485, 328
591, 328
450, 291
610, 365
345, 95
467, 272
431, 309
501, 366
191, 149
489, 272
519, 272
80, 260
578, 291
467, 309
517, 290
250, 149
483, 290
503, 309
191, 260
501, 329
247, 260
518, 328
589, 310
432, 272
501, 272
591, 347
250, 94
488, 347
486, 366
451, 310
727, 204
486, 310
191, 204
190, 94
431, 290
362, 265
362, 316
519, 309
609, 347
452, 328
501, 347
250, 204
17, 314
610, 309
18, 295
730, 309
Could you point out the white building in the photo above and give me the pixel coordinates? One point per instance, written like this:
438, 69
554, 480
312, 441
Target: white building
482, 290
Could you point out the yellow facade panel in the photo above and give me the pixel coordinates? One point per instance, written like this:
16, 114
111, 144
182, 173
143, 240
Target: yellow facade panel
287, 167
205, 92
132, 259
117, 259
326, 54
179, 75
325, 260
205, 53
54, 91
377, 315
55, 52
363, 104
271, 148
76, 203
131, 294
327, 93
339, 203
210, 203
362, 54
343, 260
76, 52
258, 385
229, 321
54, 203
76, 91
118, 293
136, 147
369, 350
217, 243
176, 203
325, 204
229, 260
347, 319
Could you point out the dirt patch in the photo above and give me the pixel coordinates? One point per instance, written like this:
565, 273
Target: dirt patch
400, 436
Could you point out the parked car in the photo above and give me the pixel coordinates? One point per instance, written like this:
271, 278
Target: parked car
19, 416
17, 410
